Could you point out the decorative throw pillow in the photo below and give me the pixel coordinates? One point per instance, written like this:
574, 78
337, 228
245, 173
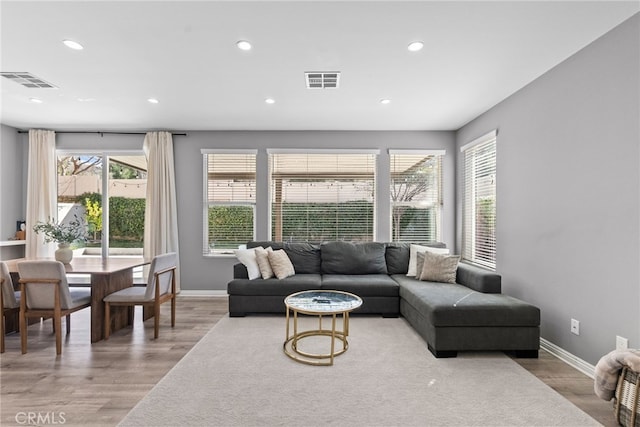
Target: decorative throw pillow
439, 268
281, 264
262, 256
248, 258
413, 257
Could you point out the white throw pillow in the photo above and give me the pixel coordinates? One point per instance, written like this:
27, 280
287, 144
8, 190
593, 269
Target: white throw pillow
262, 256
413, 257
281, 264
248, 258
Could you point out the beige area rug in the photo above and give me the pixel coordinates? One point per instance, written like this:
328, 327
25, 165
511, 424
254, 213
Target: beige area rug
238, 375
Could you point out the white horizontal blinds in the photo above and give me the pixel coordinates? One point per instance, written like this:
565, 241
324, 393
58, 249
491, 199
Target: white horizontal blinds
416, 196
230, 199
479, 207
322, 196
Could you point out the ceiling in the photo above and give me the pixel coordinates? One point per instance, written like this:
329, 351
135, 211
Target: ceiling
184, 54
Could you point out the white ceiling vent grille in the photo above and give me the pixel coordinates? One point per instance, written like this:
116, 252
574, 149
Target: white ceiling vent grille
322, 79
27, 80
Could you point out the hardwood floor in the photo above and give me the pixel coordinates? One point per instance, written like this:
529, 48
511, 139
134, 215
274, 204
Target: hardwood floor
98, 384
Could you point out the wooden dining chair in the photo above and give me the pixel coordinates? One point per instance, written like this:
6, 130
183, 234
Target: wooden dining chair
160, 288
9, 300
45, 292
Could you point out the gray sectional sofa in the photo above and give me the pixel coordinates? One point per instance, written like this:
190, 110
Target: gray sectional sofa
469, 315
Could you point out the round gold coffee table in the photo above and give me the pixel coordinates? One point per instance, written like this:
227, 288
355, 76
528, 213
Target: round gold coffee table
319, 303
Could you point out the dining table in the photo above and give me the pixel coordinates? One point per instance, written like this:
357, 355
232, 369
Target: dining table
107, 275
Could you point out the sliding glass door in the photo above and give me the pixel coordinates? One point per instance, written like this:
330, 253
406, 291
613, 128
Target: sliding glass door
107, 192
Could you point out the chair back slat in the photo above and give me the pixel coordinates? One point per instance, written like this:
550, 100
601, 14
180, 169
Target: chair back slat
42, 296
158, 264
8, 293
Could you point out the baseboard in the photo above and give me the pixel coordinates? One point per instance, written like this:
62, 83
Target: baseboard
568, 358
203, 293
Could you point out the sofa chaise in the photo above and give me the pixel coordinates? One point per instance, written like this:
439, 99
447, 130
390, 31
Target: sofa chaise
469, 315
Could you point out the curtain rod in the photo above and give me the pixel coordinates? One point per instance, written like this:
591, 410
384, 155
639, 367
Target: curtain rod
107, 132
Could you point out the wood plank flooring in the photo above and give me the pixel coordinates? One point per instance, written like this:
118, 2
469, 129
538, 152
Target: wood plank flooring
98, 384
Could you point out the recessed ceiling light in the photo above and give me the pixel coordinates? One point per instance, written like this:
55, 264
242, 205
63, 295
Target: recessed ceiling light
385, 101
270, 101
243, 45
415, 46
36, 100
72, 45
152, 101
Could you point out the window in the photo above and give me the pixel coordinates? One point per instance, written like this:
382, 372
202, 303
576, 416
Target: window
479, 202
229, 199
416, 195
322, 195
84, 183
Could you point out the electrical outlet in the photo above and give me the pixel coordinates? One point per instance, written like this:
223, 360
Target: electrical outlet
575, 326
621, 343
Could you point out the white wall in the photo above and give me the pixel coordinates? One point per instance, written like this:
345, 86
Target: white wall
568, 220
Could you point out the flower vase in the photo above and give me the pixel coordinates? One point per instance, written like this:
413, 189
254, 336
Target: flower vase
64, 254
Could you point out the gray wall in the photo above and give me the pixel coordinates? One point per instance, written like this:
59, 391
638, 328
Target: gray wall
13, 152
568, 194
213, 273
200, 272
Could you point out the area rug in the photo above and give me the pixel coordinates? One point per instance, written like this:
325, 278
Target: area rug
238, 375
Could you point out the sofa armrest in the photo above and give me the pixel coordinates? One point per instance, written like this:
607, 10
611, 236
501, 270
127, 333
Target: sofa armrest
479, 279
240, 271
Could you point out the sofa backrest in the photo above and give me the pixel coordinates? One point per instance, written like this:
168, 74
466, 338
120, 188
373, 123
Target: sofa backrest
353, 258
338, 257
304, 256
397, 255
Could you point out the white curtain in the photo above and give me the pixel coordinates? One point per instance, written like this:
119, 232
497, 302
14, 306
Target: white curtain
161, 211
41, 190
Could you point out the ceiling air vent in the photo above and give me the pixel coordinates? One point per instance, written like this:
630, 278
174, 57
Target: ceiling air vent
27, 80
322, 79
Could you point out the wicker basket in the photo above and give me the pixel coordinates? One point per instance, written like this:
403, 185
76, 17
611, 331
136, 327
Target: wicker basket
626, 403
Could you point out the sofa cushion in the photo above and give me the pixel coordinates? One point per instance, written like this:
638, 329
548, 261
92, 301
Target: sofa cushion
262, 256
305, 257
366, 285
446, 304
397, 255
281, 264
353, 258
248, 258
274, 287
436, 267
413, 257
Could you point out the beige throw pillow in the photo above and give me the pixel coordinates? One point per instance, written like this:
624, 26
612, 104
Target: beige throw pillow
439, 268
262, 256
414, 271
281, 264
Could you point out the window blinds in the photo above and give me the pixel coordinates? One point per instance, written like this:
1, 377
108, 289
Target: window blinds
229, 200
479, 205
416, 196
318, 196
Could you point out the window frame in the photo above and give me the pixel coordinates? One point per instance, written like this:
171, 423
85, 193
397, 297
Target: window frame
207, 251
471, 252
439, 196
372, 152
